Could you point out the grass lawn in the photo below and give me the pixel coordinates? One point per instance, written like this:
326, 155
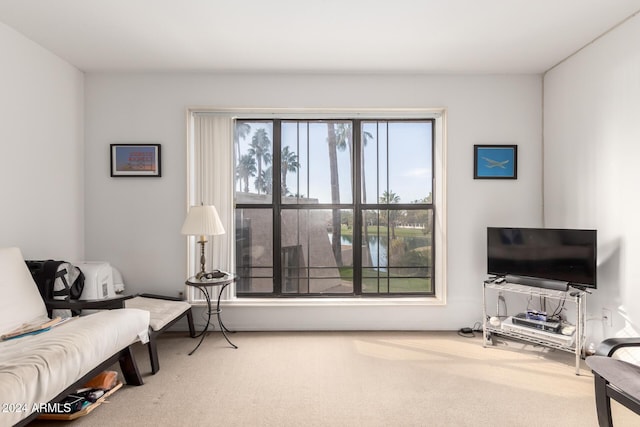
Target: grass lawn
382, 230
398, 284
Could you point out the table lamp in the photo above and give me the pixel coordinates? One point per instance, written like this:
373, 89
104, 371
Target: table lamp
202, 221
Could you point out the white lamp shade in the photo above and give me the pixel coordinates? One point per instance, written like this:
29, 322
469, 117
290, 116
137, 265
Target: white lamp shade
202, 221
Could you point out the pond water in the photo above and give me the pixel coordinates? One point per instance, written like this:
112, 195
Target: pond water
377, 248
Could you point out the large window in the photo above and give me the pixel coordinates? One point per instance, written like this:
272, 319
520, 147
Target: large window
334, 207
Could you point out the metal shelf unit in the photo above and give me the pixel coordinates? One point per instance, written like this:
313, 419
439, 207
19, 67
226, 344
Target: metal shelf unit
574, 296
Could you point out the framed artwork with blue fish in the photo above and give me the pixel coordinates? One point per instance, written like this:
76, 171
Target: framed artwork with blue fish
495, 162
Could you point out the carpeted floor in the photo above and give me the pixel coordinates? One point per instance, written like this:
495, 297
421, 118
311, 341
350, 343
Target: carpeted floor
353, 379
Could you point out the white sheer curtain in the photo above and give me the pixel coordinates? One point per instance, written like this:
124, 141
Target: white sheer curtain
211, 182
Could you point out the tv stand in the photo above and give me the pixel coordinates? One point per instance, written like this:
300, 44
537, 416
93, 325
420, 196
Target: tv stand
572, 343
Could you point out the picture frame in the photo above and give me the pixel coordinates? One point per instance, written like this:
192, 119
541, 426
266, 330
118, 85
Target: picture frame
135, 160
495, 162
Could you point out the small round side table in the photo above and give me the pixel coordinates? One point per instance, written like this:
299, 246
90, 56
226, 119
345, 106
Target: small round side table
204, 285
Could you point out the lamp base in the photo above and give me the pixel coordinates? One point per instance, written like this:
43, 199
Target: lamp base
202, 273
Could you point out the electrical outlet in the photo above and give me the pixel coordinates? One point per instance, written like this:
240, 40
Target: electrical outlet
606, 317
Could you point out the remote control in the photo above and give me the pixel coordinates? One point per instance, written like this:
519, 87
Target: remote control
499, 280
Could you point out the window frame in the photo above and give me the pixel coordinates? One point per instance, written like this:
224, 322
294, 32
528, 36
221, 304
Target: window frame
356, 206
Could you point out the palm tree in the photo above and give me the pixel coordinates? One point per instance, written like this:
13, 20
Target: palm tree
246, 169
289, 163
264, 182
344, 137
260, 149
366, 136
343, 134
242, 130
268, 180
387, 198
335, 131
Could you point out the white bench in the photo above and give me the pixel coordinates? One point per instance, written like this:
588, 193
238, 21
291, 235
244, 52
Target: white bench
164, 312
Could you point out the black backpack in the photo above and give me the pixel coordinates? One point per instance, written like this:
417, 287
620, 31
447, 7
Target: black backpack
57, 280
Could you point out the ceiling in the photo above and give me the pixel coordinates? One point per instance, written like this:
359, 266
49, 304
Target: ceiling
343, 36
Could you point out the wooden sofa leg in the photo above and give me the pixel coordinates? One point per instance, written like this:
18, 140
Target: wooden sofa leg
603, 402
129, 367
153, 353
192, 329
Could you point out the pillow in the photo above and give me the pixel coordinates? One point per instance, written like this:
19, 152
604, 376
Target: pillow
21, 301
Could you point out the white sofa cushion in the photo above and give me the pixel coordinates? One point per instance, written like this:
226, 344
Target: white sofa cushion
161, 311
20, 300
34, 369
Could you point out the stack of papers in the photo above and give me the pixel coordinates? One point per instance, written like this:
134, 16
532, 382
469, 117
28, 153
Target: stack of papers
34, 328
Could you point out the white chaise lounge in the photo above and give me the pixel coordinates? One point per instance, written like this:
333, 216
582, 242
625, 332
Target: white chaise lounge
42, 368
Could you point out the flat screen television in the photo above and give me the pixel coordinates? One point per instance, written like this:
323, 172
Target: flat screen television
566, 255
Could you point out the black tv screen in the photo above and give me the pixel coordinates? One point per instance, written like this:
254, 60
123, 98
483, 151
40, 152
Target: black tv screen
557, 254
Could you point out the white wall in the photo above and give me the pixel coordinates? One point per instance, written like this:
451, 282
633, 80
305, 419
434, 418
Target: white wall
41, 151
591, 152
135, 222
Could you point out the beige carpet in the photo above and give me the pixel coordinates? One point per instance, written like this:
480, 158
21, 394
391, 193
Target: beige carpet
353, 379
